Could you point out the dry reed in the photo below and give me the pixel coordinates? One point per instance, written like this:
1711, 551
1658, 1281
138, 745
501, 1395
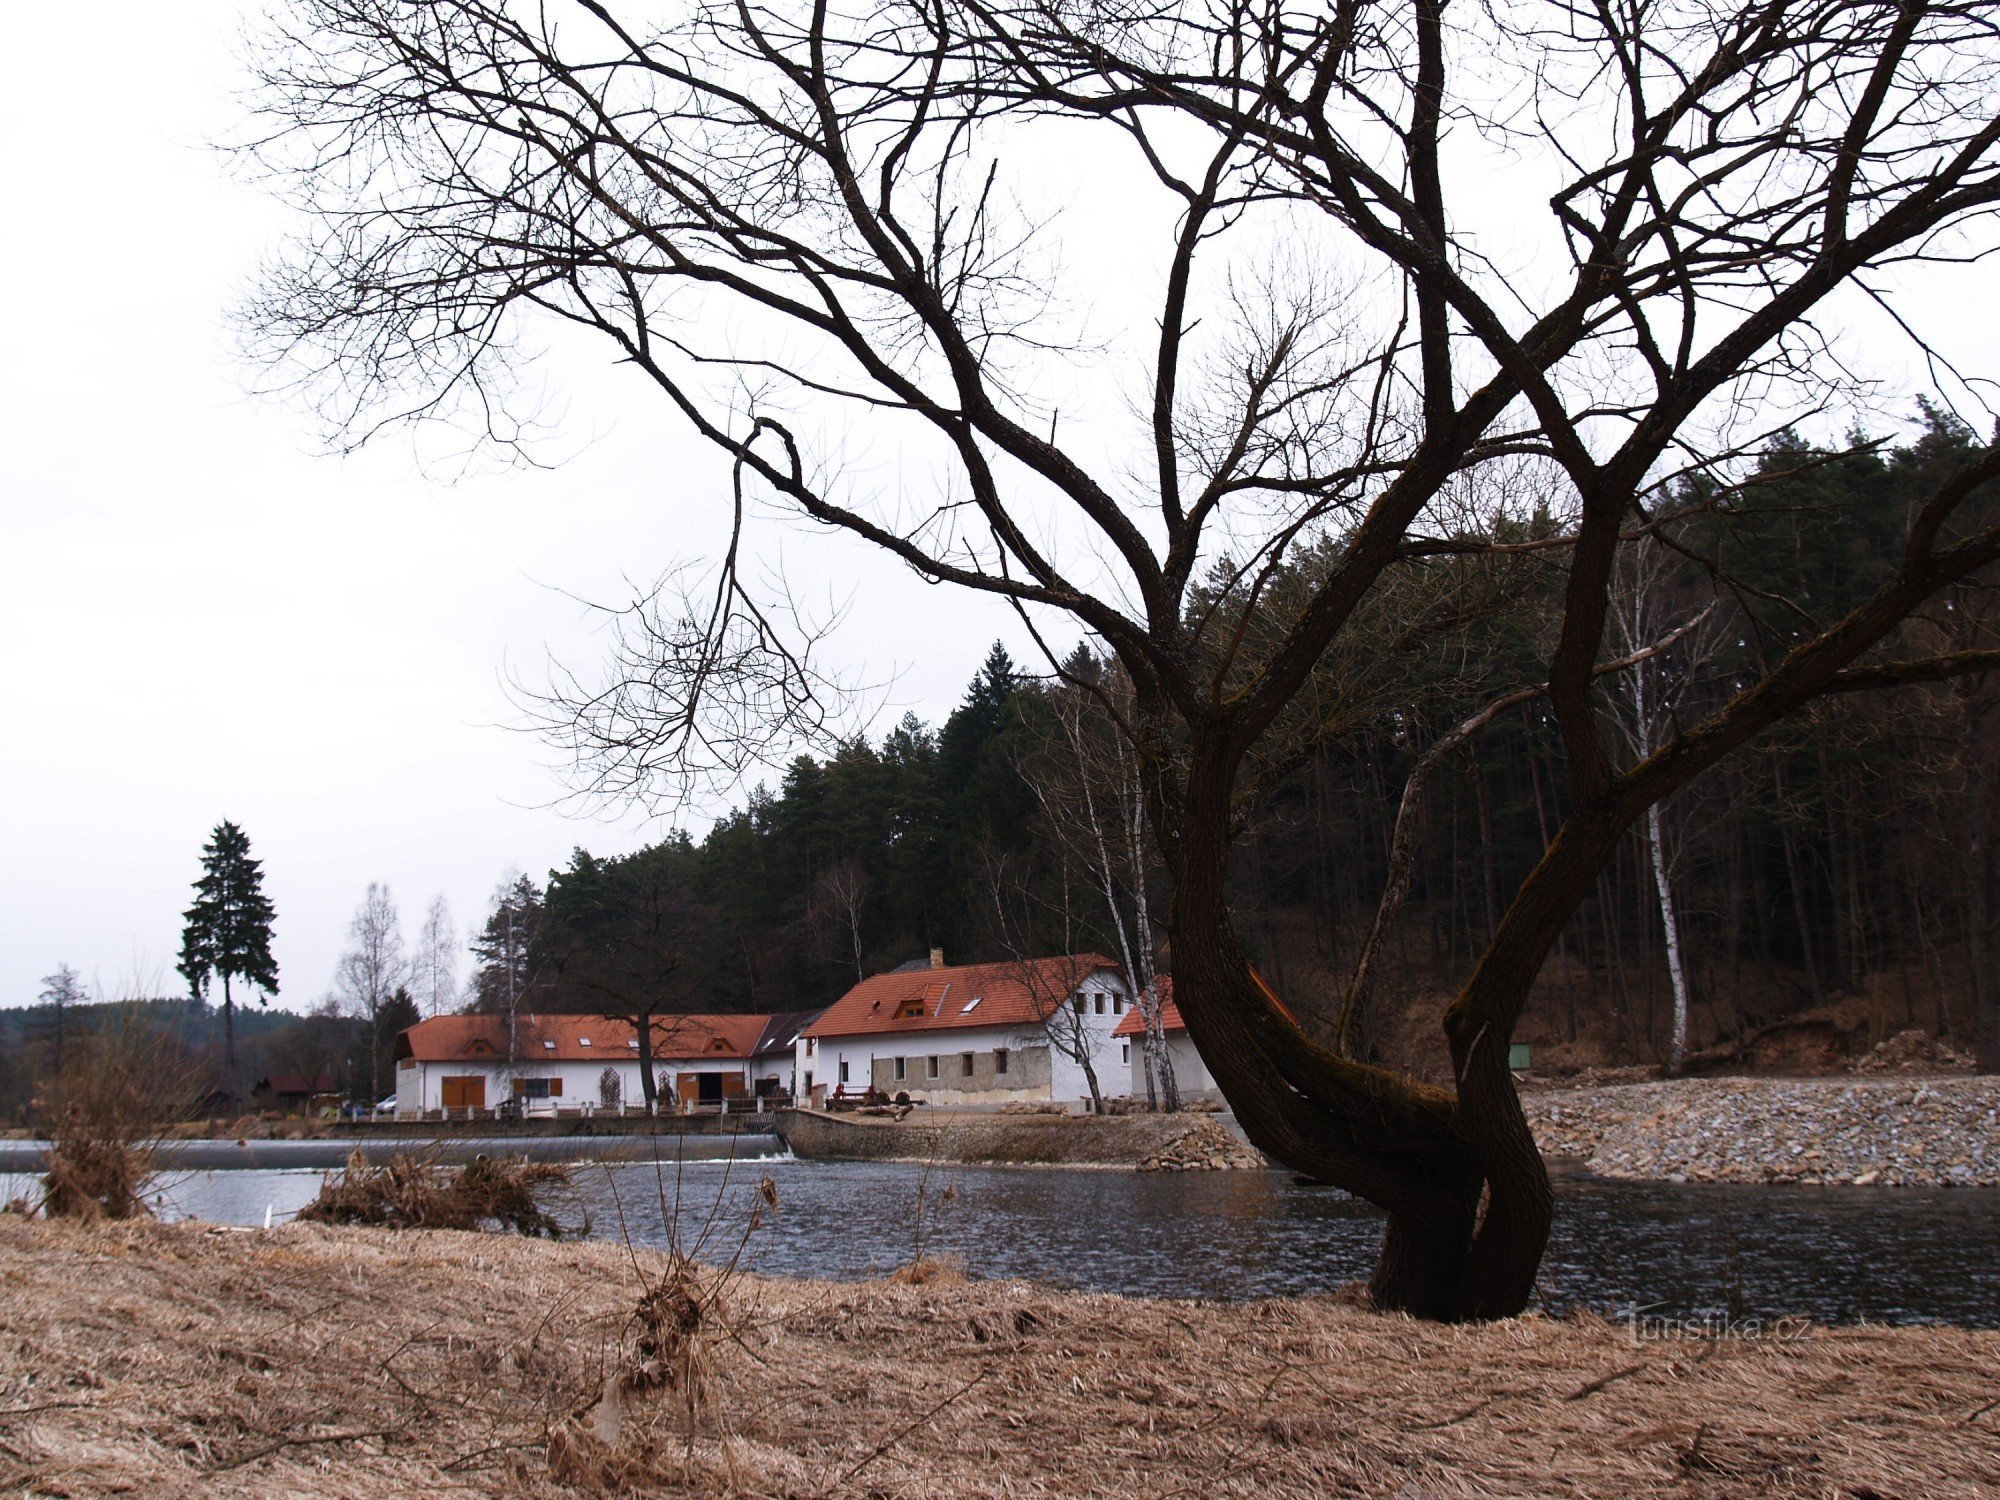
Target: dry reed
183, 1360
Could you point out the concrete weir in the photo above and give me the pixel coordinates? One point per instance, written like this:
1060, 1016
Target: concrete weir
319, 1155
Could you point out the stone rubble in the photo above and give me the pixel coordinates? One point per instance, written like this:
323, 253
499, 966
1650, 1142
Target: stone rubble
1890, 1132
1204, 1147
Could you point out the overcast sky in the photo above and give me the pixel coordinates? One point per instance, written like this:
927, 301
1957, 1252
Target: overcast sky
201, 617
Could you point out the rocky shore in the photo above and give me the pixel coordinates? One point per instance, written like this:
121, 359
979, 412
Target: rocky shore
1887, 1131
1204, 1146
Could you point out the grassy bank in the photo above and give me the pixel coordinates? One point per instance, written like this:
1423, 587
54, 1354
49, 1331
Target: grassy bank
185, 1361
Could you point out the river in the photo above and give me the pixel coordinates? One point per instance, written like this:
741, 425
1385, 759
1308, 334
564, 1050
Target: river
1836, 1255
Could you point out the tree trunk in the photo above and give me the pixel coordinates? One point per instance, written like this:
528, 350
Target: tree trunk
649, 1086
229, 1085
1368, 1131
1676, 967
1090, 1074
1983, 938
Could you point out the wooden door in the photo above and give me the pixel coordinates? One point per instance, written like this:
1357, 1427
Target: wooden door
465, 1093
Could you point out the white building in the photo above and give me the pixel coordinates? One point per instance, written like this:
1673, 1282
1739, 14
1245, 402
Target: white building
972, 1034
591, 1062
1191, 1075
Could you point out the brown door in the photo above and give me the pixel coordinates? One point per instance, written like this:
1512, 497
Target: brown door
464, 1093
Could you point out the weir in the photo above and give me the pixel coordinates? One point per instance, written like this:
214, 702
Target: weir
254, 1155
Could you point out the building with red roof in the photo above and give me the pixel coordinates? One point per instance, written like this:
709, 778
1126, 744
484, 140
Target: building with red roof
1191, 1075
591, 1061
1018, 1030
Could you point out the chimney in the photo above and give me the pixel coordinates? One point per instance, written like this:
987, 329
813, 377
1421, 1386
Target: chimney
937, 958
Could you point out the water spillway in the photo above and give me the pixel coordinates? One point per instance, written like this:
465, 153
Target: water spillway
253, 1155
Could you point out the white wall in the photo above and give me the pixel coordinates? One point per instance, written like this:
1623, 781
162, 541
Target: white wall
422, 1087
1191, 1074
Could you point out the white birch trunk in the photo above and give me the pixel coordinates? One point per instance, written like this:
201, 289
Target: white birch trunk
1676, 965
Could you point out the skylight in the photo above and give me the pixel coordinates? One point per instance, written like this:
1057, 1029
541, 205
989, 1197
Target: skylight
550, 1045
583, 1041
967, 1008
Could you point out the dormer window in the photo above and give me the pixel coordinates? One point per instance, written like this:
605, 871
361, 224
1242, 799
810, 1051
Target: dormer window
911, 1009
720, 1044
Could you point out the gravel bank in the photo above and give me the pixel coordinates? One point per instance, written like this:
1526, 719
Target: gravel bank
1892, 1132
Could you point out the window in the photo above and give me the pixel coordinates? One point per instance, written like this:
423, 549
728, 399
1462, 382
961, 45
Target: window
999, 1059
965, 1064
910, 1009
1117, 1004
901, 1069
1078, 1002
1099, 997
1124, 1052
930, 1067
843, 1070
537, 1088
812, 1045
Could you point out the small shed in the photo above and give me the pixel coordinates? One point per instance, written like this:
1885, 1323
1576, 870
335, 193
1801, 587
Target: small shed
294, 1093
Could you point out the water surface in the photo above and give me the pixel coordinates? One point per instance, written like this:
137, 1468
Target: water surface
1902, 1255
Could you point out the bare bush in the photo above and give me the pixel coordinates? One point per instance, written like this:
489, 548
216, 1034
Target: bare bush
112, 1101
416, 1192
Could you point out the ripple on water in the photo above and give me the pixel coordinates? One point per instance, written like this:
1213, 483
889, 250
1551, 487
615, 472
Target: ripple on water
1904, 1255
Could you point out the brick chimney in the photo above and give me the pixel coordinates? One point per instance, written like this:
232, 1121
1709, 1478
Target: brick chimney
937, 958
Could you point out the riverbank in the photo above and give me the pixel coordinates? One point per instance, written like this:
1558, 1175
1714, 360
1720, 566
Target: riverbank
187, 1360
1892, 1132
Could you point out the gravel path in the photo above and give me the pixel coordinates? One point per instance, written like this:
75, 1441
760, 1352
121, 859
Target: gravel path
1892, 1132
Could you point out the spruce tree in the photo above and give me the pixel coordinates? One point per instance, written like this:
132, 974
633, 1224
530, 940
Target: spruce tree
228, 933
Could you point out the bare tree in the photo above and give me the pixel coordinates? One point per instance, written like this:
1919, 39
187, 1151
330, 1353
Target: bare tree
1051, 986
1670, 644
62, 992
1093, 807
434, 970
622, 936
371, 971
813, 230
836, 899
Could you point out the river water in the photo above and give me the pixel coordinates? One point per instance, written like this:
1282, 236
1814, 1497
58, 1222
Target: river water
1838, 1255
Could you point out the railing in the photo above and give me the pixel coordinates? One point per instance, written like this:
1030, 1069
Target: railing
548, 1109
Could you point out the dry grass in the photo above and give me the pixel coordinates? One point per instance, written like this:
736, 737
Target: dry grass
171, 1360
415, 1192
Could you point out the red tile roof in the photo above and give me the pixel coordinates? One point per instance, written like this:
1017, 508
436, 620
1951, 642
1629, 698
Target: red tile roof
470, 1038
1170, 1013
1015, 993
